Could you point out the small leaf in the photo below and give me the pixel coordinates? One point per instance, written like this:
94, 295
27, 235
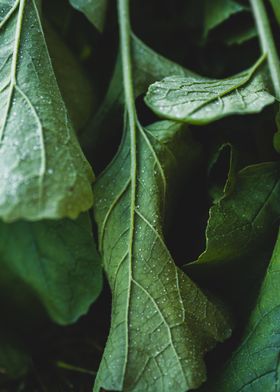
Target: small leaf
162, 323
242, 220
255, 365
95, 10
56, 260
198, 100
43, 172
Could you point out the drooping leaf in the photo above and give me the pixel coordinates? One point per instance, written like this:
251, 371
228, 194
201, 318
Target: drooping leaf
162, 323
243, 219
56, 260
75, 86
218, 11
254, 365
95, 10
199, 100
43, 172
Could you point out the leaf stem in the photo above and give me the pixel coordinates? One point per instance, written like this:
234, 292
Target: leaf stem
131, 127
267, 43
125, 42
125, 38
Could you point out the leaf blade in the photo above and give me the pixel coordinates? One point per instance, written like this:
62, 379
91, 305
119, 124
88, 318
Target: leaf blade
153, 311
243, 218
38, 179
56, 260
199, 101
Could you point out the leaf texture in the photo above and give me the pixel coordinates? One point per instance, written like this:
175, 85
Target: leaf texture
56, 261
198, 100
43, 172
162, 324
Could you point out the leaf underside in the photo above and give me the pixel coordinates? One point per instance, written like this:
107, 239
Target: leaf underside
43, 172
198, 100
162, 324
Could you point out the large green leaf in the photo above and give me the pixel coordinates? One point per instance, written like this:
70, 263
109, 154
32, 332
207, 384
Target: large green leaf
254, 365
95, 10
162, 323
57, 263
199, 100
43, 172
243, 219
218, 11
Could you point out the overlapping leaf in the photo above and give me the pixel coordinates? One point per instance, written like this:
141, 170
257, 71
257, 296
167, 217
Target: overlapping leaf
243, 219
199, 100
56, 261
43, 173
162, 323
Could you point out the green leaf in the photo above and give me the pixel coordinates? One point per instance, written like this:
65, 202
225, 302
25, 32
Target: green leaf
162, 323
276, 8
218, 11
242, 220
95, 10
56, 260
198, 100
43, 172
254, 365
75, 86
